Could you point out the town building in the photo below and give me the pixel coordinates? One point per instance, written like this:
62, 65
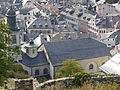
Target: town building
104, 9
40, 25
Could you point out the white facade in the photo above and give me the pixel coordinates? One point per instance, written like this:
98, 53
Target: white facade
30, 14
109, 42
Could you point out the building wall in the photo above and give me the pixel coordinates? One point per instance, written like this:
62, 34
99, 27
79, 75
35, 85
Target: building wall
42, 48
109, 42
105, 9
97, 62
28, 69
32, 51
82, 26
38, 31
40, 68
17, 34
31, 70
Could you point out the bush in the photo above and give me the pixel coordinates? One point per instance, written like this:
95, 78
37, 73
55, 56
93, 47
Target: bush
17, 71
18, 75
42, 79
81, 78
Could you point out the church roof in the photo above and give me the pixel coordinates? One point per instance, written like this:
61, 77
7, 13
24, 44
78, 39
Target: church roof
79, 49
40, 59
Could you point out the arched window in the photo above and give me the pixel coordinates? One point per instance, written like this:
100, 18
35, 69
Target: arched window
27, 51
91, 66
33, 51
45, 71
37, 72
26, 72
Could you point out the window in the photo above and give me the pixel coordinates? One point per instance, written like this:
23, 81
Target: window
40, 25
91, 66
27, 51
33, 51
28, 13
34, 26
37, 72
46, 25
48, 31
26, 72
14, 39
45, 71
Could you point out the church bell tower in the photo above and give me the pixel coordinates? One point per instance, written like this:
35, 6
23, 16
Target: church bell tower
11, 20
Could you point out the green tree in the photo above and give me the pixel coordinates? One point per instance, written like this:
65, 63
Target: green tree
69, 67
17, 71
7, 51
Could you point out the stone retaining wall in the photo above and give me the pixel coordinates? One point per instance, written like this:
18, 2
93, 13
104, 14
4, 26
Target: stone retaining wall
24, 84
67, 81
62, 83
30, 84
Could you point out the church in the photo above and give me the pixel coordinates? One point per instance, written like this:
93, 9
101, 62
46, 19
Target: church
46, 59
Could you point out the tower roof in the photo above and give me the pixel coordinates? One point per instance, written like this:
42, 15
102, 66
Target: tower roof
11, 11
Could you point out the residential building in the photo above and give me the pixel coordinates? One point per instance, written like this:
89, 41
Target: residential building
40, 25
104, 9
27, 12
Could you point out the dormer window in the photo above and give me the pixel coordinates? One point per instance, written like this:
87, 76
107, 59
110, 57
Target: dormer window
40, 25
34, 25
28, 13
46, 25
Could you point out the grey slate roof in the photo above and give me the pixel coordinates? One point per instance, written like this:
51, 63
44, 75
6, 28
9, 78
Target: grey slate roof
40, 59
79, 49
25, 10
77, 12
116, 35
40, 23
4, 0
29, 36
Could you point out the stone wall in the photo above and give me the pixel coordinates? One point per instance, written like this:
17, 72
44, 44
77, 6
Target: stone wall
24, 84
62, 83
67, 82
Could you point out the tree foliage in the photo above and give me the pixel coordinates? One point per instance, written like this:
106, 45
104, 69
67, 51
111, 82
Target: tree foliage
7, 51
69, 67
17, 71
